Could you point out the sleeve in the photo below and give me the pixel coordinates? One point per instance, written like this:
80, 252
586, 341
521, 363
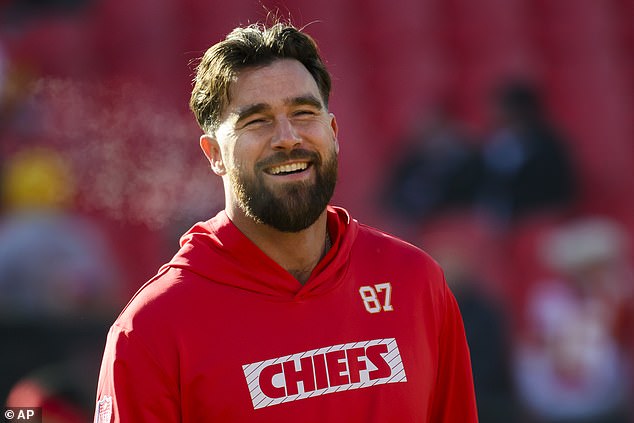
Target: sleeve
133, 386
454, 394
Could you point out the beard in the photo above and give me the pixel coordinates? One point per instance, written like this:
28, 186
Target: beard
294, 206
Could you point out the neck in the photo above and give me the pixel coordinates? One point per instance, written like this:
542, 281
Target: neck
297, 252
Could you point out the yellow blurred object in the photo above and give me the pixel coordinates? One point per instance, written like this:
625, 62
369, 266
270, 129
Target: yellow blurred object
37, 178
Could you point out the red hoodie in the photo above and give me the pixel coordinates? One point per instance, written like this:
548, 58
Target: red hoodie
224, 334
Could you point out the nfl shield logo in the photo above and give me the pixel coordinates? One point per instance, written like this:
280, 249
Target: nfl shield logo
103, 411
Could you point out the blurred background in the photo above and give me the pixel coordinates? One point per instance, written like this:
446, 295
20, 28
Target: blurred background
497, 135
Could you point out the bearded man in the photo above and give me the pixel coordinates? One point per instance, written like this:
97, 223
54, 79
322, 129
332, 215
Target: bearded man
283, 307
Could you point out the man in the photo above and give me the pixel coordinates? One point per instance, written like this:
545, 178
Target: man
281, 307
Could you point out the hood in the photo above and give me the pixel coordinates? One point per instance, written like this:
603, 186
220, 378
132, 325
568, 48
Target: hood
219, 252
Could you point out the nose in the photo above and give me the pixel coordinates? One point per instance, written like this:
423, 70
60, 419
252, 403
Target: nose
285, 136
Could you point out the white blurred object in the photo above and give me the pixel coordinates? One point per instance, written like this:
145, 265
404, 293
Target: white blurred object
572, 365
574, 370
584, 242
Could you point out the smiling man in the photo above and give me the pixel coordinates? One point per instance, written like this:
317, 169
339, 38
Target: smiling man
282, 307
275, 146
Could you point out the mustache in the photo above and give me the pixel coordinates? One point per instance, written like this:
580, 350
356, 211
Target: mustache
280, 157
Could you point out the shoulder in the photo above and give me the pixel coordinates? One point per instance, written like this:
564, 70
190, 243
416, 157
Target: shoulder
378, 255
417, 281
388, 248
160, 302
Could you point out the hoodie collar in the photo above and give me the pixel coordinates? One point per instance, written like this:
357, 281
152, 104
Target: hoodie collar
219, 252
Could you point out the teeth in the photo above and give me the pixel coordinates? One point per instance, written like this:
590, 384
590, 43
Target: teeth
288, 168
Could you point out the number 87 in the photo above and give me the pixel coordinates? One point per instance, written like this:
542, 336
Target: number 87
370, 297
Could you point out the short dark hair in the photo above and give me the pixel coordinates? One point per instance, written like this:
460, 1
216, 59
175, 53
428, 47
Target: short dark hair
247, 47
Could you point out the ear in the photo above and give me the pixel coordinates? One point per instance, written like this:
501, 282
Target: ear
212, 151
335, 130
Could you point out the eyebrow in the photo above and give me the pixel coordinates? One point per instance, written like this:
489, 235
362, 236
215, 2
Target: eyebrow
251, 109
304, 100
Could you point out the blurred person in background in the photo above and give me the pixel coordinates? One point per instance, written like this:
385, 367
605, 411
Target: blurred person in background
438, 171
58, 282
527, 168
573, 365
463, 247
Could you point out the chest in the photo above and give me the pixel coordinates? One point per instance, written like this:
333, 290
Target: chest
365, 351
